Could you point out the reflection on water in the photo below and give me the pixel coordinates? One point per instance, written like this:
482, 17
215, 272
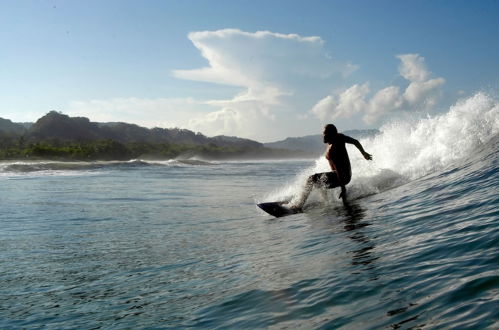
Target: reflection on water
364, 262
363, 256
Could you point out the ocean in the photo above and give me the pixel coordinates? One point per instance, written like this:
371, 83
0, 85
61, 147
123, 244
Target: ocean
181, 243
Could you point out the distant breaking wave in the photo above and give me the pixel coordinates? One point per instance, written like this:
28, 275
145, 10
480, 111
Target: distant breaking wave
61, 166
38, 166
189, 162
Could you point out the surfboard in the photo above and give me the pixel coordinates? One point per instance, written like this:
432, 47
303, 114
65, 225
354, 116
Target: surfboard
276, 209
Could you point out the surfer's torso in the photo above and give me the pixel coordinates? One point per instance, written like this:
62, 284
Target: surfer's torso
337, 156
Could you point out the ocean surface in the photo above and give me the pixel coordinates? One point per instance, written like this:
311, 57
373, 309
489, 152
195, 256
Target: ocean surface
181, 244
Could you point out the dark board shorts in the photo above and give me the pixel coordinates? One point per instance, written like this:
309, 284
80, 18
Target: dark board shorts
326, 180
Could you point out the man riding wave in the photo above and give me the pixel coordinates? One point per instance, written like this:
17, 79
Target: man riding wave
337, 156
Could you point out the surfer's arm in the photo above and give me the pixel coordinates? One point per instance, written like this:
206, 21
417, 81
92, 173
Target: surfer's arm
359, 146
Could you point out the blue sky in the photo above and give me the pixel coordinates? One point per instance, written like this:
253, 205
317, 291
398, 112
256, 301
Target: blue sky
258, 69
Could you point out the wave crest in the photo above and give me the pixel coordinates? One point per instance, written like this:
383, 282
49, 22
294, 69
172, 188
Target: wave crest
408, 150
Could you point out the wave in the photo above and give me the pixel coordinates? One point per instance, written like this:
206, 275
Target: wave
405, 151
63, 166
196, 162
39, 166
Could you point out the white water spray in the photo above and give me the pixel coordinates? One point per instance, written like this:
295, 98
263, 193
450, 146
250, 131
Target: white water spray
406, 151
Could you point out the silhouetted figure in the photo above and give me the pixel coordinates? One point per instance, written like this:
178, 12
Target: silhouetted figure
337, 156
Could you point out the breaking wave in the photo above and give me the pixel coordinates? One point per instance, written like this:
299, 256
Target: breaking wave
406, 151
57, 167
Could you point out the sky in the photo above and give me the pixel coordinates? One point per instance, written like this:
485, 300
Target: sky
264, 70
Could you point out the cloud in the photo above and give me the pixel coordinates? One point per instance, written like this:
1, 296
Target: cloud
386, 100
420, 93
232, 122
248, 59
412, 67
346, 104
272, 68
424, 91
225, 121
276, 74
261, 61
159, 112
198, 116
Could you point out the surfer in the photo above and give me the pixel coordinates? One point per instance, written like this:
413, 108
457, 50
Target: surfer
341, 171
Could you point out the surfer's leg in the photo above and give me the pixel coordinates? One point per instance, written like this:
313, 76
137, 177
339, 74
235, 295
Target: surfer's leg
309, 185
332, 181
316, 180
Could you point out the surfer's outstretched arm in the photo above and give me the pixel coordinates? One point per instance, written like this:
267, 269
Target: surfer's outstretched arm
359, 146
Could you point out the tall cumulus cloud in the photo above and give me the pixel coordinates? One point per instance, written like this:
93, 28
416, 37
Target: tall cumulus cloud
267, 66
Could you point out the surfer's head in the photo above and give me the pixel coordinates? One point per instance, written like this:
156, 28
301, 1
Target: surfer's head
329, 133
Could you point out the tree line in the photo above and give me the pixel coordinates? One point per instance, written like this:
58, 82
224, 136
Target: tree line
58, 136
113, 150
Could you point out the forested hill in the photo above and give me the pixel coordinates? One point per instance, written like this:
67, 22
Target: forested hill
57, 126
57, 135
8, 128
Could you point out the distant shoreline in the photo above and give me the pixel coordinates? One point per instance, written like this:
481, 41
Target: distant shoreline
57, 136
110, 150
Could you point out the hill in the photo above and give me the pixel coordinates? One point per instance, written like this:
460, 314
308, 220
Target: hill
8, 128
58, 126
57, 135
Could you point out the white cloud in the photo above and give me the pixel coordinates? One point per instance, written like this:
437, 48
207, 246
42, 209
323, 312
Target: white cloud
344, 105
246, 120
160, 112
275, 72
413, 67
234, 122
325, 108
421, 93
384, 101
259, 61
269, 66
222, 122
424, 91
249, 59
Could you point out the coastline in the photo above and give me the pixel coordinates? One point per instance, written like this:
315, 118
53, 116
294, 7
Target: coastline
114, 151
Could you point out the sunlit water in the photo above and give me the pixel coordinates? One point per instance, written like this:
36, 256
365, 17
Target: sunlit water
181, 244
